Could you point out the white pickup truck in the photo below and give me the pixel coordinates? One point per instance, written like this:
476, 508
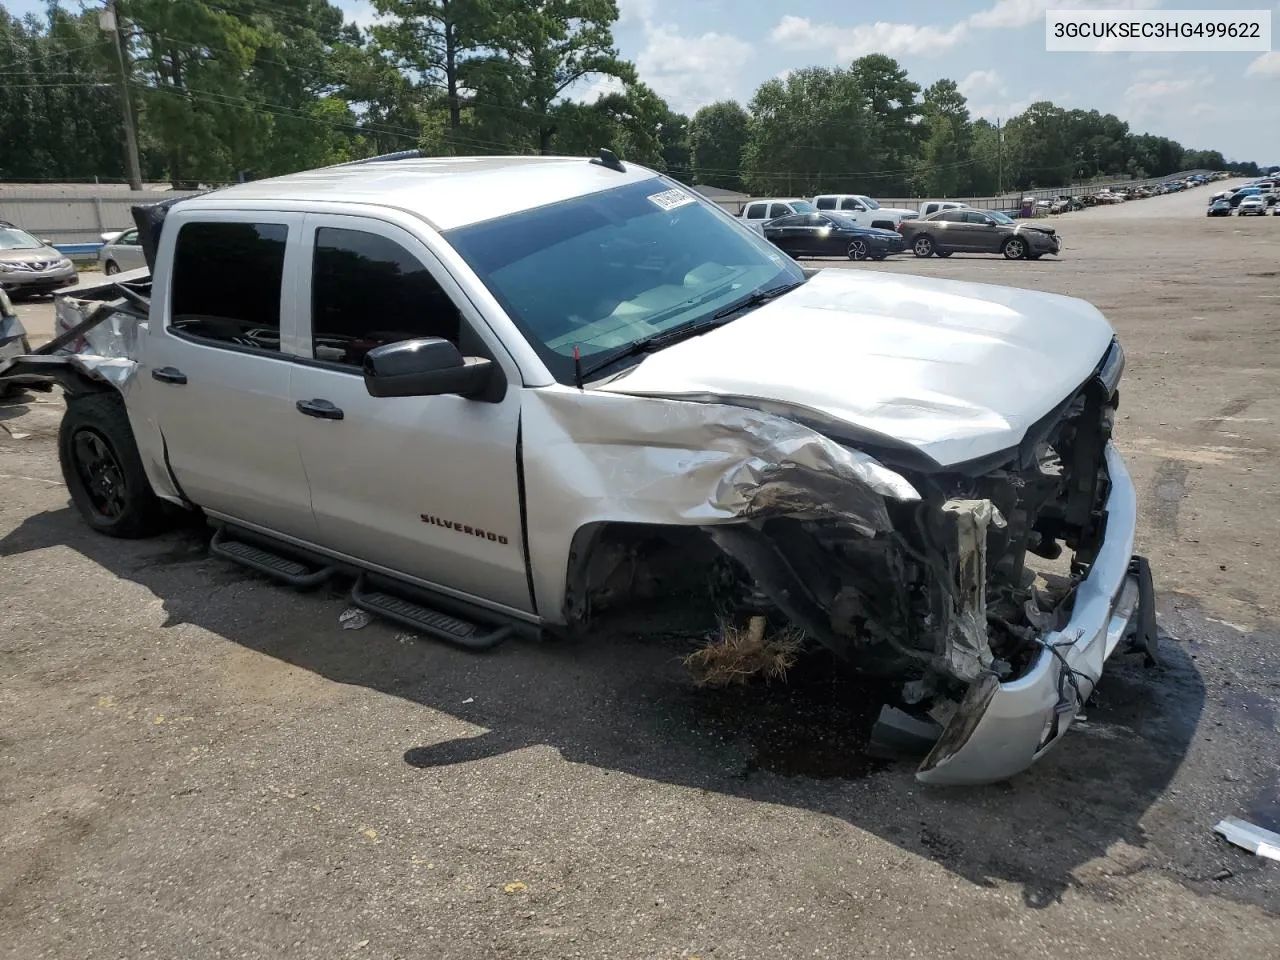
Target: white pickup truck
505, 395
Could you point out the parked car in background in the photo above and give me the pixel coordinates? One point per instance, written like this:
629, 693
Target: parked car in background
863, 210
1254, 205
1220, 207
831, 235
930, 207
979, 231
29, 265
121, 250
1238, 197
759, 212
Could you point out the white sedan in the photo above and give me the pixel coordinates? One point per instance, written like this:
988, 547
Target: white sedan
121, 251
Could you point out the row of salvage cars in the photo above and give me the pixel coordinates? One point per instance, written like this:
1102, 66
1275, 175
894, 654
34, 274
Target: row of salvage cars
915, 474
953, 230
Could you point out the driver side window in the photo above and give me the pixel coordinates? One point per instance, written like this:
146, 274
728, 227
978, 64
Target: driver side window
368, 290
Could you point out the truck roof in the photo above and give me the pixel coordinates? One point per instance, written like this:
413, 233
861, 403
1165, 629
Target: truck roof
448, 192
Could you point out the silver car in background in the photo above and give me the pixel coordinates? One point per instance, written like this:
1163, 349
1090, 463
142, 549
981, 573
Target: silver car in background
28, 265
121, 251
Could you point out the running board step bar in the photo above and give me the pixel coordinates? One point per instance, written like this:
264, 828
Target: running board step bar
441, 626
285, 569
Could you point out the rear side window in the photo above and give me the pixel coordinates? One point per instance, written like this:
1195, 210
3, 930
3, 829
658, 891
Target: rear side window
826, 203
755, 211
368, 290
226, 282
778, 210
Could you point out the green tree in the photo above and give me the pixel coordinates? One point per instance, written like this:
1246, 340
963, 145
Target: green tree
808, 133
436, 40
546, 47
717, 136
890, 98
945, 151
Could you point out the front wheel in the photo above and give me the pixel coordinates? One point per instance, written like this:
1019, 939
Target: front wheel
1015, 248
110, 269
103, 470
857, 250
923, 247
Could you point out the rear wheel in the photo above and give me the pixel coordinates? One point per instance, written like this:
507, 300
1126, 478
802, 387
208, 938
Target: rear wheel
110, 268
857, 250
103, 470
923, 246
1015, 248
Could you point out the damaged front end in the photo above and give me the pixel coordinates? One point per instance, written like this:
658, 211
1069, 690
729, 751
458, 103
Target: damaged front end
991, 592
997, 653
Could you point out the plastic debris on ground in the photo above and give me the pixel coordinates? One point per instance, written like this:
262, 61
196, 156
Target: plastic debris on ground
1248, 836
353, 618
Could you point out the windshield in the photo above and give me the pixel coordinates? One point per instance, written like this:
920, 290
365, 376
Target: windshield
999, 217
599, 272
803, 206
11, 238
870, 203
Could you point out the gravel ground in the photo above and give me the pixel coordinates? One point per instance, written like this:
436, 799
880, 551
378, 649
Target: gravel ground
195, 763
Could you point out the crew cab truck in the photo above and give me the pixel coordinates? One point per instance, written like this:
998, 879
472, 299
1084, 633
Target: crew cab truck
504, 393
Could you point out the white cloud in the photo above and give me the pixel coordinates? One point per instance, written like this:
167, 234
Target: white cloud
1013, 14
360, 12
898, 39
893, 39
1153, 73
1265, 65
636, 11
1167, 97
981, 83
690, 72
598, 86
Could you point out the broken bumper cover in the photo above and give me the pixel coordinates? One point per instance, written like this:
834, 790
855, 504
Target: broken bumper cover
1003, 728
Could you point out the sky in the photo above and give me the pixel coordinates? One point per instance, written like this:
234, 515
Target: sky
694, 52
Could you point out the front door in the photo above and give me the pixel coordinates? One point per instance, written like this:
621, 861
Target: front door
216, 373
985, 236
426, 487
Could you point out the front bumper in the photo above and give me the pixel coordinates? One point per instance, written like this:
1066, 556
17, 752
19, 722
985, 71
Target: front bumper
1043, 242
1025, 718
28, 281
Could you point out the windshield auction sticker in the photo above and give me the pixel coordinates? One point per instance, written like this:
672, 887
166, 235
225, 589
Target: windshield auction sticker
1157, 31
670, 199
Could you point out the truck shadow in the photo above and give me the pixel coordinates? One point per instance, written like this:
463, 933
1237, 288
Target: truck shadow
623, 701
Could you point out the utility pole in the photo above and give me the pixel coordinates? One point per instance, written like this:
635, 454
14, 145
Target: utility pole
109, 20
999, 160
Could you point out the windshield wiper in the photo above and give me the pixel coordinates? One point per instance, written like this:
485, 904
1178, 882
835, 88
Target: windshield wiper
755, 300
682, 332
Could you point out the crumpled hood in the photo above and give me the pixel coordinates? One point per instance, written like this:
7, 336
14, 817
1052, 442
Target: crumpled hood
953, 369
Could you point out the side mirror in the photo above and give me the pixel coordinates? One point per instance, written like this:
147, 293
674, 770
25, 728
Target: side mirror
426, 367
46, 241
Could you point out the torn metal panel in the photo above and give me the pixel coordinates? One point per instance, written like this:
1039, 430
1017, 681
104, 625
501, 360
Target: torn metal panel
106, 346
595, 458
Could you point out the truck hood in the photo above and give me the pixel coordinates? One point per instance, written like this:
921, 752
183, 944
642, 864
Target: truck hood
955, 370
902, 212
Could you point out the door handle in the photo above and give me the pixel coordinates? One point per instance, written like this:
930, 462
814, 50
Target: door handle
168, 375
322, 409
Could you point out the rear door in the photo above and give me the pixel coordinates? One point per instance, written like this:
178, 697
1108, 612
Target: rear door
215, 374
784, 233
426, 487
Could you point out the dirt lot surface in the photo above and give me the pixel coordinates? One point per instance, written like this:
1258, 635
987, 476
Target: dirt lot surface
197, 764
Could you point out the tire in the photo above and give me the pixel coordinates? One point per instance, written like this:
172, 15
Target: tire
1015, 248
857, 250
103, 470
923, 246
110, 268
942, 253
